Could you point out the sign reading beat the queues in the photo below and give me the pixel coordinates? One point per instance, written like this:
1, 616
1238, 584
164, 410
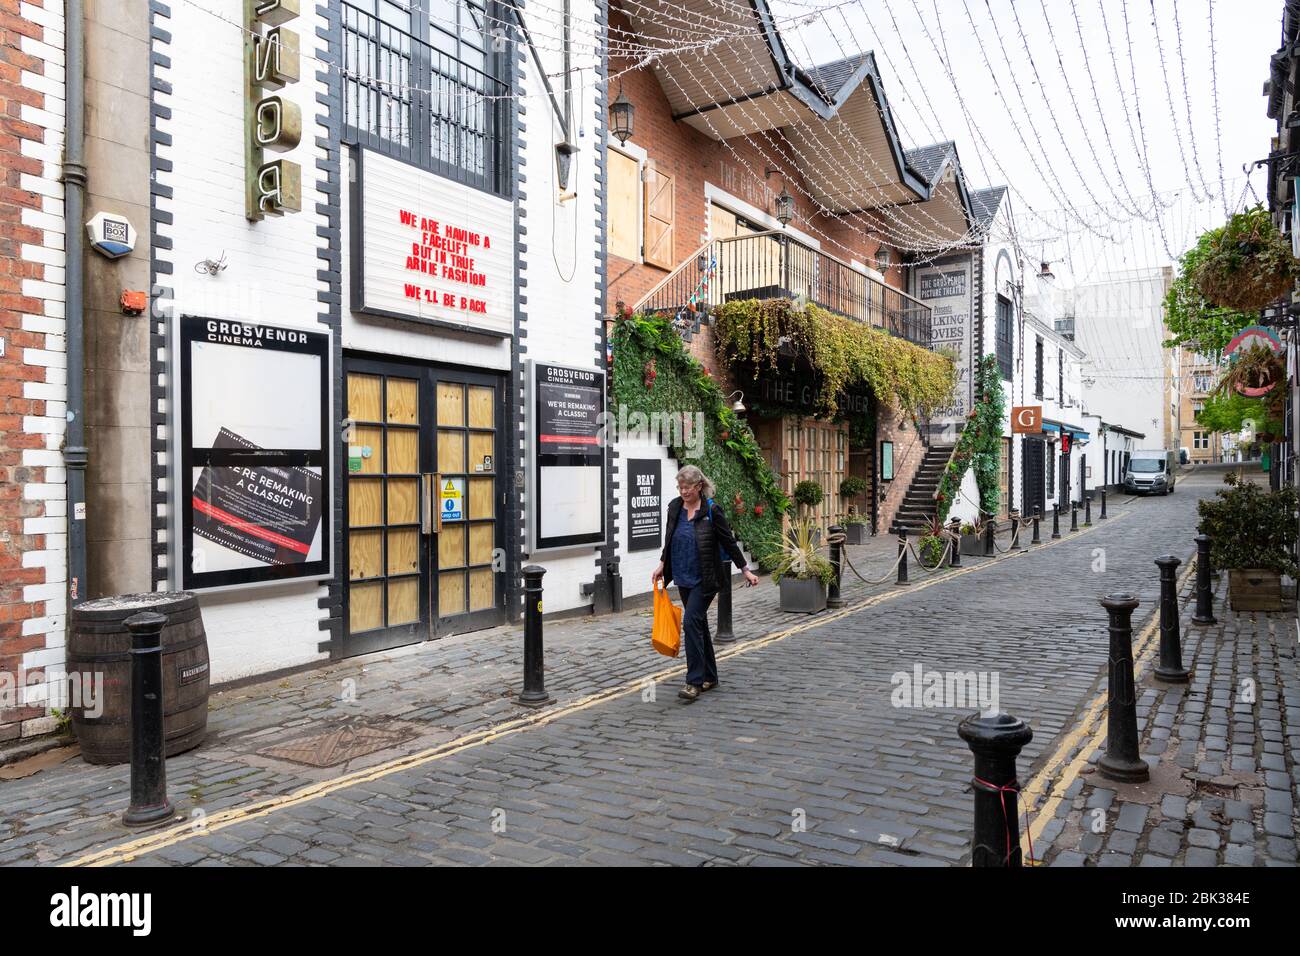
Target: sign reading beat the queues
430, 250
253, 482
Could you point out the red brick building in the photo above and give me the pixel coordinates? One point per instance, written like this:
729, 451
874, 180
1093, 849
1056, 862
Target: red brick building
722, 133
33, 503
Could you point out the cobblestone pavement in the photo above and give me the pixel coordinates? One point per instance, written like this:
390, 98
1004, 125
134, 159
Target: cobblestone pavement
799, 757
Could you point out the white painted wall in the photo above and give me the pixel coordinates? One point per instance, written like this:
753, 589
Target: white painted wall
563, 242
270, 275
636, 566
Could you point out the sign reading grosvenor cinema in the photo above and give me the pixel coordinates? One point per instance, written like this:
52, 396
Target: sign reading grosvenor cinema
252, 446
429, 249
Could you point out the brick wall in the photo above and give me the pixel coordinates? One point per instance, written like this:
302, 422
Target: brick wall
737, 166
33, 500
908, 453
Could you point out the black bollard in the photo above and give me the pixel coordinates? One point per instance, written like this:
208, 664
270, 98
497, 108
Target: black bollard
1015, 530
1074, 516
996, 742
534, 694
1170, 669
833, 598
1204, 598
1121, 761
1103, 504
1038, 514
902, 556
149, 803
1087, 509
1056, 520
990, 525
954, 528
724, 633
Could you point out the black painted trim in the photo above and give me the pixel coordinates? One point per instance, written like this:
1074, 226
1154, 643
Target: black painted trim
159, 331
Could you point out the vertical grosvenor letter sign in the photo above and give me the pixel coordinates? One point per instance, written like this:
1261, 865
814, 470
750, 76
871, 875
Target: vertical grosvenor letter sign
271, 62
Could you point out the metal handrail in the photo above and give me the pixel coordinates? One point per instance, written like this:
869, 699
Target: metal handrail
772, 265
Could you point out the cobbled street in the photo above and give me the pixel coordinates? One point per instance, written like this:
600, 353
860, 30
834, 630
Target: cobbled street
799, 757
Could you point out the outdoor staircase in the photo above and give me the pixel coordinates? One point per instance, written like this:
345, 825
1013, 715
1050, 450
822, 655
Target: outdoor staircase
918, 507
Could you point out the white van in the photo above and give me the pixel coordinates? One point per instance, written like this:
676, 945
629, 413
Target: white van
1150, 471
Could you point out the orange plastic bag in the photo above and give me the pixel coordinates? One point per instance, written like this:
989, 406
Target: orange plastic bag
666, 637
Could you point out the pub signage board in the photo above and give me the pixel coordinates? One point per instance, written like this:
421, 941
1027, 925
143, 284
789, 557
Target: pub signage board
430, 250
254, 453
566, 452
644, 504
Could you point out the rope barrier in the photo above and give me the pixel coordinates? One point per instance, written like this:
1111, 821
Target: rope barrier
920, 563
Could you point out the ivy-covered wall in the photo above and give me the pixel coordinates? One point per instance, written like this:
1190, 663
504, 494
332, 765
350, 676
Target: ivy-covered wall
653, 373
980, 444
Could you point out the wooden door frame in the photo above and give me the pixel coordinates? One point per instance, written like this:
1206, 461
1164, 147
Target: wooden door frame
429, 626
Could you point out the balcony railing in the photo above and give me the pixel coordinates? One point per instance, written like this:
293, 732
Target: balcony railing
406, 98
773, 265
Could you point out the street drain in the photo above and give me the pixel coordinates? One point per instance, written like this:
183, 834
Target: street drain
339, 745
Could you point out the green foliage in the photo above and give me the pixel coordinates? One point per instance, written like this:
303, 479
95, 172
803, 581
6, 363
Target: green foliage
680, 385
808, 493
980, 444
1228, 412
792, 553
62, 721
852, 486
844, 355
1250, 527
967, 528
1247, 264
1195, 320
931, 550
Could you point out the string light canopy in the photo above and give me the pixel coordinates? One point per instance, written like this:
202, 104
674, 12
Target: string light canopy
620, 117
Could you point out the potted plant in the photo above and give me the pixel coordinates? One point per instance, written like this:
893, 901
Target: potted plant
1250, 530
799, 568
854, 523
808, 495
930, 549
1247, 264
855, 527
970, 540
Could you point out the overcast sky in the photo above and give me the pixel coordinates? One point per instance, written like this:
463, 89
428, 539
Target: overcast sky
1083, 172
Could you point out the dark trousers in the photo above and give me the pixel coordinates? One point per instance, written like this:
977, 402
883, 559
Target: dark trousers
700, 664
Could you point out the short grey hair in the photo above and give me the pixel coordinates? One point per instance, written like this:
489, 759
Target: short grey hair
693, 476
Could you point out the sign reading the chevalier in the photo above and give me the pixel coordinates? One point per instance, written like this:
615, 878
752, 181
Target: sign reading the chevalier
567, 456
271, 62
428, 249
644, 501
253, 482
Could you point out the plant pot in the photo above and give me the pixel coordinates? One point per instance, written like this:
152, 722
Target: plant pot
854, 533
1255, 589
803, 595
972, 544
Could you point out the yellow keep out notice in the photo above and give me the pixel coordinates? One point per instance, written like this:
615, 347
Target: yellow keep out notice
453, 499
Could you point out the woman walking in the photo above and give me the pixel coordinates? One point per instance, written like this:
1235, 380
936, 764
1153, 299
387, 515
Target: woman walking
697, 535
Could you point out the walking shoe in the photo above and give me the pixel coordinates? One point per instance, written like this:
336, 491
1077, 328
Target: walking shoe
689, 693
709, 685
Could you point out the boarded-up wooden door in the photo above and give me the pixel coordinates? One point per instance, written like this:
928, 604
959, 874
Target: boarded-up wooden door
660, 211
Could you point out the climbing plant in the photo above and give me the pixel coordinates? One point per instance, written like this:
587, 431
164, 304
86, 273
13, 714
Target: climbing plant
654, 374
844, 356
980, 444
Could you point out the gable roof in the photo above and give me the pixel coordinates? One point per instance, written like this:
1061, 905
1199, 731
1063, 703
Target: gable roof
985, 203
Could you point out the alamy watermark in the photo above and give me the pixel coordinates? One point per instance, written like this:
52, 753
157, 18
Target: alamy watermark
682, 429
57, 689
953, 690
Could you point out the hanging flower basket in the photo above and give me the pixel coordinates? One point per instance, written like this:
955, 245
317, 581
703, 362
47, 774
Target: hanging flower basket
1255, 372
1248, 264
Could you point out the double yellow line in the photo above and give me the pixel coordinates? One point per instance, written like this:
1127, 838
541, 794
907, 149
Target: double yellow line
1083, 739
126, 852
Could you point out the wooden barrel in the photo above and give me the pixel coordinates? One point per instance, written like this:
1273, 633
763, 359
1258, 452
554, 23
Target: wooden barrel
100, 644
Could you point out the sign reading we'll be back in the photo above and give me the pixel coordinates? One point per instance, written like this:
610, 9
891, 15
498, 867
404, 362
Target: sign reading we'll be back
430, 250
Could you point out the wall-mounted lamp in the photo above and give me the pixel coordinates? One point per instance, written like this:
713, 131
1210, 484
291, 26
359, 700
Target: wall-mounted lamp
738, 405
620, 117
564, 163
784, 207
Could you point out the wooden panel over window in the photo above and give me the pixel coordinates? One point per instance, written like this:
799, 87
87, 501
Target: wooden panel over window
624, 207
660, 206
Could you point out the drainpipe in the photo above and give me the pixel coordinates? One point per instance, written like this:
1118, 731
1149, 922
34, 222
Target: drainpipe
75, 452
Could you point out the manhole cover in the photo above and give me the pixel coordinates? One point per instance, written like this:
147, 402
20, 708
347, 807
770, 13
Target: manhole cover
338, 745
